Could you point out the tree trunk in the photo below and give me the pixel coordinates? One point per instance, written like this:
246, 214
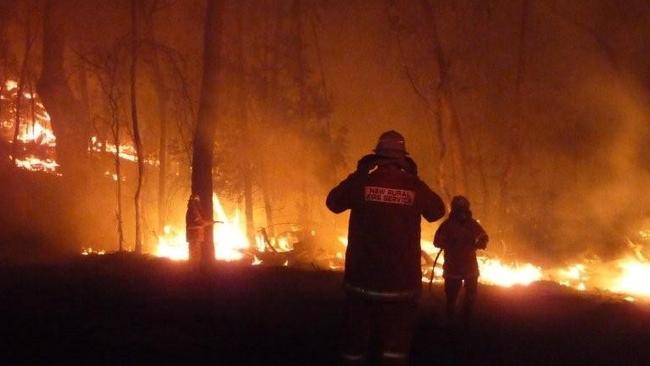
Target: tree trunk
85, 100
67, 115
268, 209
137, 140
203, 143
21, 86
333, 160
514, 148
246, 147
435, 111
446, 105
115, 121
163, 99
300, 76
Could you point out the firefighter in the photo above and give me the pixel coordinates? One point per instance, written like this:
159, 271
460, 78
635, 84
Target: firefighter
383, 277
460, 236
195, 226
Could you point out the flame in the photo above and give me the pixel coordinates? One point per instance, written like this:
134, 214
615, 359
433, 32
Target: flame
172, 245
644, 234
36, 164
35, 136
89, 251
230, 240
495, 272
11, 85
229, 237
574, 276
634, 278
126, 151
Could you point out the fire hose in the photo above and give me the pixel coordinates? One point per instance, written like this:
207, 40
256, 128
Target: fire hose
433, 269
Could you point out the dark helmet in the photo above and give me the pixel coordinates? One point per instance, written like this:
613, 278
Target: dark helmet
459, 203
391, 144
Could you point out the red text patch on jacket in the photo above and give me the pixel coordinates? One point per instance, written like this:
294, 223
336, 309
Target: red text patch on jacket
389, 195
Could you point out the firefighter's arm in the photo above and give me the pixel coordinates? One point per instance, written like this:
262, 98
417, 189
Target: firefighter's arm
480, 237
441, 238
340, 198
367, 163
433, 206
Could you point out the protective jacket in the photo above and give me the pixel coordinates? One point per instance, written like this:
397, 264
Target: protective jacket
383, 253
460, 236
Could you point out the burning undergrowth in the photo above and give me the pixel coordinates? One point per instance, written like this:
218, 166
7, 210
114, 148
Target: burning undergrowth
31, 142
33, 148
626, 275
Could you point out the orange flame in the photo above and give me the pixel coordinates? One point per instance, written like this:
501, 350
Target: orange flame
230, 240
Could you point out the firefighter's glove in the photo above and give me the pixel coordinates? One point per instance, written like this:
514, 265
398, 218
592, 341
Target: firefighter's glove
367, 163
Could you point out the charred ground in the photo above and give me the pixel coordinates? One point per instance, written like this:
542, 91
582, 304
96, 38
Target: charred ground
121, 309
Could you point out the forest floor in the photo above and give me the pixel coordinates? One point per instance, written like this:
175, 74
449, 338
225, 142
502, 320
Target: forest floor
114, 309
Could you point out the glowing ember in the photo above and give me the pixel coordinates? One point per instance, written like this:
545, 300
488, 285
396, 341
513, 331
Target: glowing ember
36, 164
89, 251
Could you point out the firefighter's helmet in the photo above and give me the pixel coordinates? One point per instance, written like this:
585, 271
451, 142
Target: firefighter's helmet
391, 144
460, 202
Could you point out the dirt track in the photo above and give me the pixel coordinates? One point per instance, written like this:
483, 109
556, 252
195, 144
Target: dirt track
115, 310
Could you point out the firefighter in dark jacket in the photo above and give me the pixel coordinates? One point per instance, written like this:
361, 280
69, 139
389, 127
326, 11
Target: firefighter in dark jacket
382, 267
460, 236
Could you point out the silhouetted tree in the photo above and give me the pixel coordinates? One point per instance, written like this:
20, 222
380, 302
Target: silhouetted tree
137, 140
66, 111
203, 143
